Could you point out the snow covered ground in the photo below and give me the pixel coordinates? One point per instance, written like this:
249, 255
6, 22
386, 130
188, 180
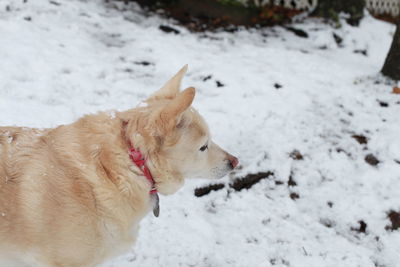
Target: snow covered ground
62, 59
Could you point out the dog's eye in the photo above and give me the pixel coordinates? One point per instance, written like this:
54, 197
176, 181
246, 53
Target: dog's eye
203, 148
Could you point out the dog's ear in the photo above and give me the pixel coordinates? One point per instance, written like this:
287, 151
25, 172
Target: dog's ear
170, 115
171, 88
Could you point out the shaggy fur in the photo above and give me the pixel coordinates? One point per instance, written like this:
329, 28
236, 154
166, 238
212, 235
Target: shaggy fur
70, 196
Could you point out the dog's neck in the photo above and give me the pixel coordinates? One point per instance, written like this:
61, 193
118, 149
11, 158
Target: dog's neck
139, 160
168, 180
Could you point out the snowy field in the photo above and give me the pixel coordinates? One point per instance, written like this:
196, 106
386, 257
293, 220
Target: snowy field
62, 59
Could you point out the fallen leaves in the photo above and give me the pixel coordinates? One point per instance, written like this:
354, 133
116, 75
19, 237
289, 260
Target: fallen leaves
396, 90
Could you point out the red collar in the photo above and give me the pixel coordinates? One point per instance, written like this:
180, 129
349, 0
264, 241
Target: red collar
137, 158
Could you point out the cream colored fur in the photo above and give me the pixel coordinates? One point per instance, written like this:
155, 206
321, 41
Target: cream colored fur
70, 196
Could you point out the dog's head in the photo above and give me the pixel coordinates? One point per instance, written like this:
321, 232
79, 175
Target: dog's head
176, 139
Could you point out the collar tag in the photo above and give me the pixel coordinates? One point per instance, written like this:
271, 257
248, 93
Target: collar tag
156, 204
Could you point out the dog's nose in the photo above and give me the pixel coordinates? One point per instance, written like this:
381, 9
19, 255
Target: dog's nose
233, 161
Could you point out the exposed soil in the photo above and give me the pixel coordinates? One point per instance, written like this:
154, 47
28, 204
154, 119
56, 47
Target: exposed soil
291, 181
394, 218
245, 182
386, 17
383, 104
294, 196
362, 228
210, 14
250, 180
296, 155
361, 139
371, 160
298, 32
338, 39
201, 191
168, 29
363, 52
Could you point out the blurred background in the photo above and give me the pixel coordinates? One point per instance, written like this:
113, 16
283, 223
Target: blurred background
304, 92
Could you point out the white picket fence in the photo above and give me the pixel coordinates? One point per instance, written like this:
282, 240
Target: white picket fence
391, 7
384, 6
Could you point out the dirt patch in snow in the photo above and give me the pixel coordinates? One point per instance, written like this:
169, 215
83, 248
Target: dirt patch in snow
250, 180
239, 184
394, 218
201, 191
371, 160
361, 139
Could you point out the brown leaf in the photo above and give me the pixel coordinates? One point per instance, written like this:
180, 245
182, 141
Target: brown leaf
396, 90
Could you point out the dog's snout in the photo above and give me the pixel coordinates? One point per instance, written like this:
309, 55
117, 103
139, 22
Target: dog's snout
233, 161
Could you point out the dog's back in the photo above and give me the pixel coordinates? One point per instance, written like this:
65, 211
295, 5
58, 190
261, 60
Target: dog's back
13, 161
43, 196
60, 195
13, 219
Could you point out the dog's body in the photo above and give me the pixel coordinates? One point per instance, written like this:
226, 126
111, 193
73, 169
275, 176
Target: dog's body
71, 196
59, 193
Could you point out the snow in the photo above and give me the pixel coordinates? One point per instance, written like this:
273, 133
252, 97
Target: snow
59, 62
